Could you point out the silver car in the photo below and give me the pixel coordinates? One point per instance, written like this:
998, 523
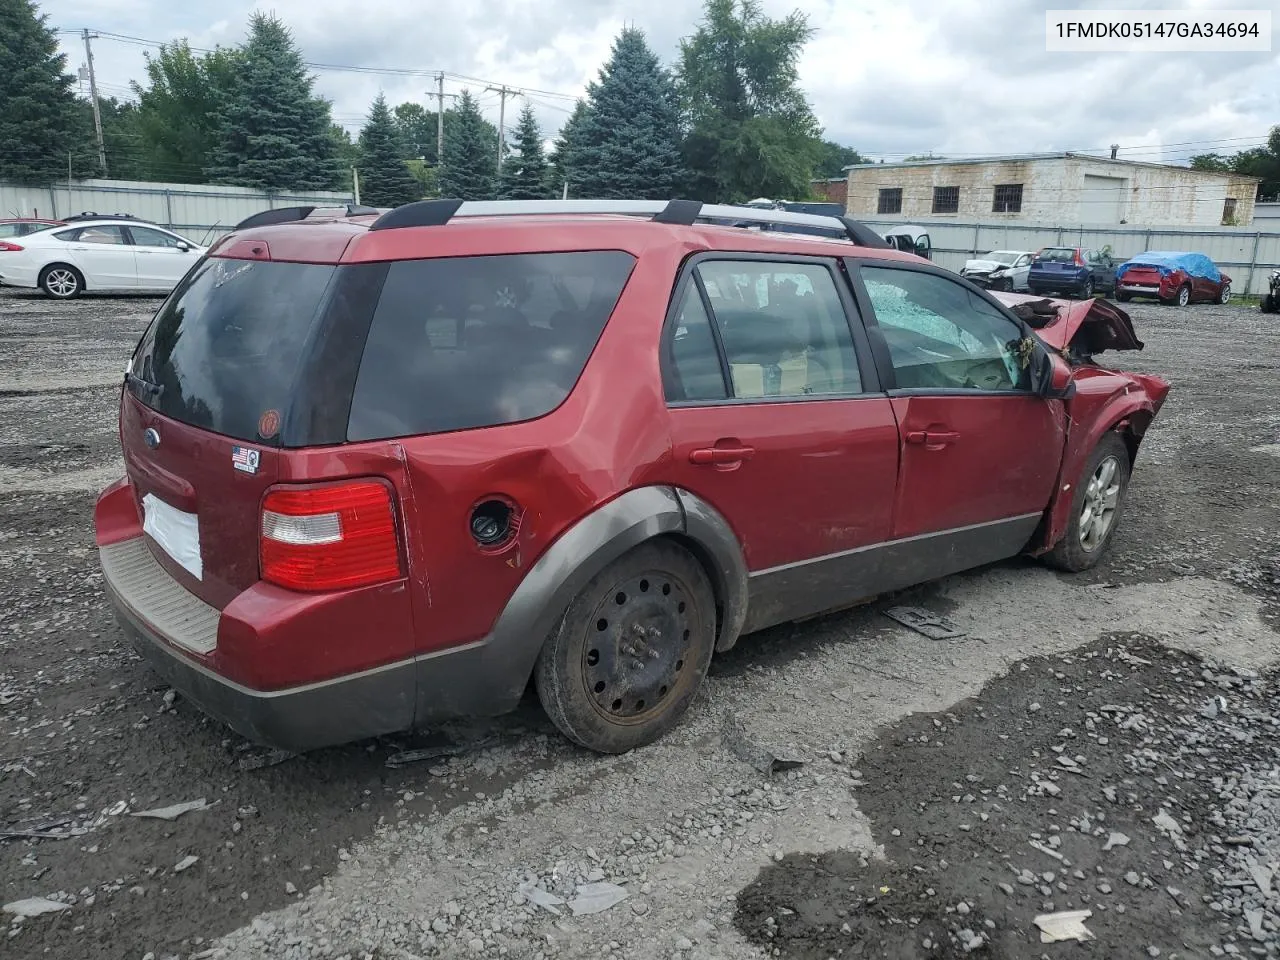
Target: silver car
1000, 269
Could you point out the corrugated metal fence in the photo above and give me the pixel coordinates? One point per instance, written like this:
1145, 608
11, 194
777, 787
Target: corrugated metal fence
191, 210
198, 212
1247, 255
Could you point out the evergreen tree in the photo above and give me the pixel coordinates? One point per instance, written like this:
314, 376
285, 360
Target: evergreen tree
564, 158
274, 133
385, 180
751, 131
39, 117
524, 176
470, 151
630, 136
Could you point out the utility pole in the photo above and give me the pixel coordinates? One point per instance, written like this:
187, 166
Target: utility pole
440, 119
93, 94
502, 93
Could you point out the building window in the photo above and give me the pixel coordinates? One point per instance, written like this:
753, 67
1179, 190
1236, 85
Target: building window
1229, 212
890, 201
946, 199
1008, 198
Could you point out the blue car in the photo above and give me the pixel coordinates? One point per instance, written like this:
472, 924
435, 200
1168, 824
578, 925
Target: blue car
1073, 271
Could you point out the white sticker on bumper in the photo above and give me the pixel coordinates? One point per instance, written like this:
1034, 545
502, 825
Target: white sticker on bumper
178, 533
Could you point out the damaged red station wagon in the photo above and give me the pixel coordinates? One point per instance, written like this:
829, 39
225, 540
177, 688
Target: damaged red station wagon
386, 469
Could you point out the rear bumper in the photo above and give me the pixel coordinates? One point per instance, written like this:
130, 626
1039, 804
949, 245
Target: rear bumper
11, 276
353, 707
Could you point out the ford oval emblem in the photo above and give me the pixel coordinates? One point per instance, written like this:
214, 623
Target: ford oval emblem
151, 438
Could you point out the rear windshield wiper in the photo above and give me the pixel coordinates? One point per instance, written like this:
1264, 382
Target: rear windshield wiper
146, 386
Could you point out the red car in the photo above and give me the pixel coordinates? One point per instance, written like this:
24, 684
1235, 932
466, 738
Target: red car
21, 226
1173, 278
384, 470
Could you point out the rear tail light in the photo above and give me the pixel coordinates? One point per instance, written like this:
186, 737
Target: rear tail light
6, 247
330, 538
1079, 259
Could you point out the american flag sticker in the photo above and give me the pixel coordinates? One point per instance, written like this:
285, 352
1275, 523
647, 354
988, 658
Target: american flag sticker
245, 459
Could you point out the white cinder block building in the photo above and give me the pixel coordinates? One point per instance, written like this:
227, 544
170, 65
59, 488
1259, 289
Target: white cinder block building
1065, 188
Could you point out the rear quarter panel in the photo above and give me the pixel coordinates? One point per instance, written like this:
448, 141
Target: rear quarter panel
608, 437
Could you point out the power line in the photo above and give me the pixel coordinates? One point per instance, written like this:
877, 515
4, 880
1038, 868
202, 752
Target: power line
338, 67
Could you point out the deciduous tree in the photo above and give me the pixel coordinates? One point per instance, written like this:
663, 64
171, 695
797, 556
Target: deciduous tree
751, 131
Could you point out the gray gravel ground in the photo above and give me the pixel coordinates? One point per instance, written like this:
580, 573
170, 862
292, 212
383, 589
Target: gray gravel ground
337, 854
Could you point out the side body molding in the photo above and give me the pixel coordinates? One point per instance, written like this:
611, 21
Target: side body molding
489, 678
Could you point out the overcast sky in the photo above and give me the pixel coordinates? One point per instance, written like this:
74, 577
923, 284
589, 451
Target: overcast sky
889, 77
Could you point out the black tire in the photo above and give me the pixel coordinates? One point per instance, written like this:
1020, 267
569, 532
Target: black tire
1003, 285
1269, 304
1072, 553
628, 657
1183, 297
1087, 290
61, 281
1225, 295
1124, 297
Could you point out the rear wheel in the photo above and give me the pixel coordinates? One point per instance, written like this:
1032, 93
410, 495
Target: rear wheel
1225, 295
630, 653
1087, 290
1124, 297
1095, 508
61, 281
1184, 295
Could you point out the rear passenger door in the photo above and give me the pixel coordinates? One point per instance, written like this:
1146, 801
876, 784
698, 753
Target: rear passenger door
777, 421
105, 257
980, 448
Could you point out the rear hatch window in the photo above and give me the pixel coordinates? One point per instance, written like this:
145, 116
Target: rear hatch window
467, 342
224, 351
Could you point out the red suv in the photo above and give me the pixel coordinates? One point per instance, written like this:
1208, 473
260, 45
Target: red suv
384, 470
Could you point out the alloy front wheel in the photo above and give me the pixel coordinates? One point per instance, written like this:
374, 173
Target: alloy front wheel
1101, 500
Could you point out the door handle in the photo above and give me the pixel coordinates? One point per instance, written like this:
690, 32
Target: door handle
933, 439
721, 455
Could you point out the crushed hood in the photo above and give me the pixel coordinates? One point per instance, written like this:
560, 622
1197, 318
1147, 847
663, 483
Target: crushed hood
1081, 326
984, 266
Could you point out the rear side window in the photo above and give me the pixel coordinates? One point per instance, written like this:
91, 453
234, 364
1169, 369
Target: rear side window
466, 342
223, 351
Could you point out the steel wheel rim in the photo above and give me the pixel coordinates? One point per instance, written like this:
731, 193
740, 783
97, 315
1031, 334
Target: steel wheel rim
1101, 500
61, 282
637, 657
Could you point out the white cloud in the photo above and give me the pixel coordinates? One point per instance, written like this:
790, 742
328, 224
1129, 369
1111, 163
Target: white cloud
891, 78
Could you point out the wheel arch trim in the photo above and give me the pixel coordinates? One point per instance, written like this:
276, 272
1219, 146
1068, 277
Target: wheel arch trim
587, 547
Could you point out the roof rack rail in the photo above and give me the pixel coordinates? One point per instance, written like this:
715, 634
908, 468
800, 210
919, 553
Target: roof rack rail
293, 214
278, 215
90, 215
437, 213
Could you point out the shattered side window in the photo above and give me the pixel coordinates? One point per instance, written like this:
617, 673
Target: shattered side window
940, 334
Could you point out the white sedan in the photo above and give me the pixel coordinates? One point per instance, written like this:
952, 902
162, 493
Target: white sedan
111, 254
1000, 269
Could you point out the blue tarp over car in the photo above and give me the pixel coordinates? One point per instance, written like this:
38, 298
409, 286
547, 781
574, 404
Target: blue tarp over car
1194, 264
